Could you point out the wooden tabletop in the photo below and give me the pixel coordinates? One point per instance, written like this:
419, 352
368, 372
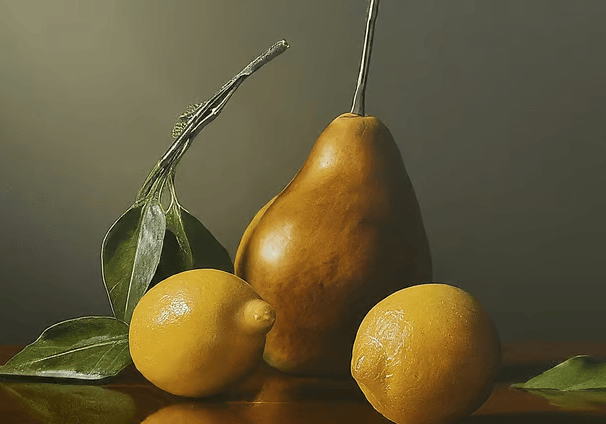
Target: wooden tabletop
270, 397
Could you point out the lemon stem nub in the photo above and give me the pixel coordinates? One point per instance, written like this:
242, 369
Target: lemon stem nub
258, 316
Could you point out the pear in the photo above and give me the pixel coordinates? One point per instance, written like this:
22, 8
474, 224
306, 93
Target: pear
346, 232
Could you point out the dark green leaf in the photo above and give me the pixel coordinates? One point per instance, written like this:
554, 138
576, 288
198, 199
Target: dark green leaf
130, 254
580, 372
172, 261
206, 250
188, 244
89, 348
71, 404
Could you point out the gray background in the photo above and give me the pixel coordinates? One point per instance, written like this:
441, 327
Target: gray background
497, 106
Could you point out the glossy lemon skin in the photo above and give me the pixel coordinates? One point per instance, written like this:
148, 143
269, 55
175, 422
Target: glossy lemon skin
199, 331
427, 354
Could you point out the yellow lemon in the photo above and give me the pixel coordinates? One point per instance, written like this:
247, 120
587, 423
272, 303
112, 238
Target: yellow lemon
199, 331
427, 354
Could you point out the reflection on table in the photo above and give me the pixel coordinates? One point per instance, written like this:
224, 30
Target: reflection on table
269, 396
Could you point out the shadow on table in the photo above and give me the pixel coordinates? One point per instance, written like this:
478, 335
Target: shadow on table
519, 373
534, 418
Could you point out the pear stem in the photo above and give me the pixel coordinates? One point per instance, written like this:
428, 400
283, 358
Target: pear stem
358, 100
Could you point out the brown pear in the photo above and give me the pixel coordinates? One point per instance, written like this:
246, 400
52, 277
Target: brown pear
345, 233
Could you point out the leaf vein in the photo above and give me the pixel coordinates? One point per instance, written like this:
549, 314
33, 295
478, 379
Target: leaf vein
116, 357
70, 351
115, 343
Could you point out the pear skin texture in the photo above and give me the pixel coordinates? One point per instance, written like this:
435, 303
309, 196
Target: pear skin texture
345, 232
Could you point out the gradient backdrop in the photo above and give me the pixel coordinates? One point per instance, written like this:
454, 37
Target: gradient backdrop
498, 108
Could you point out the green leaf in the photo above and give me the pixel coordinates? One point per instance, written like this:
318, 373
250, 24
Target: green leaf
89, 348
67, 404
187, 243
206, 250
130, 254
172, 261
580, 372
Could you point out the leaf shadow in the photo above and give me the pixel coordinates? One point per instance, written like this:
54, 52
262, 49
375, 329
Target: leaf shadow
67, 403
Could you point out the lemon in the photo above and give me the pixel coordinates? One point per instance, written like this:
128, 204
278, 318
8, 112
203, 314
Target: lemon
197, 332
426, 354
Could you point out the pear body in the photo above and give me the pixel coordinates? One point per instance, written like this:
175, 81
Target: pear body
345, 233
